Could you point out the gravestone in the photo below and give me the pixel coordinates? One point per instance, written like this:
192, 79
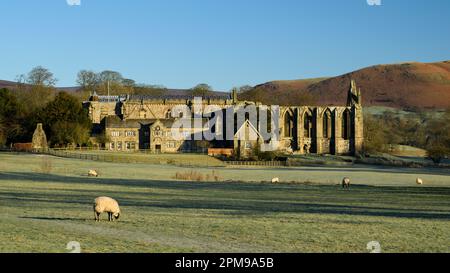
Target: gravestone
39, 138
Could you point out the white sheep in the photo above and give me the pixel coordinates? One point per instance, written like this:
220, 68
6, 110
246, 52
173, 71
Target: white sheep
419, 181
93, 173
106, 204
346, 183
275, 180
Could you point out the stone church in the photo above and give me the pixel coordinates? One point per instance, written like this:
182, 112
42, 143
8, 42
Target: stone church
134, 122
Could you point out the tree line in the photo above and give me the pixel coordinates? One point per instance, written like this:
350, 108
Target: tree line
113, 83
36, 100
427, 130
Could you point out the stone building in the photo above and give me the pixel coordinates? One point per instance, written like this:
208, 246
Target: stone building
39, 138
134, 123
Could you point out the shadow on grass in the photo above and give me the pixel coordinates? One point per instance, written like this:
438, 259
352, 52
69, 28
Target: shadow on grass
359, 168
54, 218
103, 219
241, 198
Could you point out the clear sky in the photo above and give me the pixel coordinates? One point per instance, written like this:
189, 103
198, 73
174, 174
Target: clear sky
225, 43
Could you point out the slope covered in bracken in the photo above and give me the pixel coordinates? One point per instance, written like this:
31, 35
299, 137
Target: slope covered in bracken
406, 85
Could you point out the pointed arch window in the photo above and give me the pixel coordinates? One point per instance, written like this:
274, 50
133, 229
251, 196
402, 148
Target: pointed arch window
288, 124
346, 129
307, 125
169, 114
327, 124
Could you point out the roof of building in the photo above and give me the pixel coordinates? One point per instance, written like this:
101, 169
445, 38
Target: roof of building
180, 95
169, 94
254, 133
117, 122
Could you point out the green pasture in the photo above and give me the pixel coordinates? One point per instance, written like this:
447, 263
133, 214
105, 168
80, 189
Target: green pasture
43, 208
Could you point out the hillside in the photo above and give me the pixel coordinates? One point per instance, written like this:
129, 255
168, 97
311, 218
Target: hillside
407, 85
7, 84
13, 85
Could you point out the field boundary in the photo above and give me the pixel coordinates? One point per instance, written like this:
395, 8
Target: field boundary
108, 158
257, 163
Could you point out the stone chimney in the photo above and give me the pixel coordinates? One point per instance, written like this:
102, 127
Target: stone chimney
39, 138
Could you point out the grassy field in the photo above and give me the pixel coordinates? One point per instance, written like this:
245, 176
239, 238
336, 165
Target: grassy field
43, 208
200, 160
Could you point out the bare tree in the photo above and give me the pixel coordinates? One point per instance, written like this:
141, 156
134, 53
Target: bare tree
110, 76
129, 82
35, 89
40, 76
243, 89
201, 90
87, 79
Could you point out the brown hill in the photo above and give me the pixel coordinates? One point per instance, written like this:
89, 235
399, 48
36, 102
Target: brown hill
7, 84
12, 85
293, 92
406, 85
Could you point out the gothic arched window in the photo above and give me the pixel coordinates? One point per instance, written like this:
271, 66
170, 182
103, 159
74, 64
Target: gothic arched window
327, 124
169, 114
308, 125
346, 129
288, 124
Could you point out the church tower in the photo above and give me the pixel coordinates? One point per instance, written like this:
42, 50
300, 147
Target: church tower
354, 95
354, 101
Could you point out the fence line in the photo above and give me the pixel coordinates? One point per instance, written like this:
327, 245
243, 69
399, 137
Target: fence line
64, 153
83, 156
109, 158
258, 163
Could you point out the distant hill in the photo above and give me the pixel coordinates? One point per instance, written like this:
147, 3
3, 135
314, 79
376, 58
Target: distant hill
12, 85
7, 84
406, 85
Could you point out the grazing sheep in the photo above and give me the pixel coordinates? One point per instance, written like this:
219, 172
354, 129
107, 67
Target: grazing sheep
106, 204
93, 173
275, 180
419, 181
346, 183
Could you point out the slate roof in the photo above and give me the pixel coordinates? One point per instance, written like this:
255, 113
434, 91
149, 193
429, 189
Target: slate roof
174, 94
169, 94
116, 122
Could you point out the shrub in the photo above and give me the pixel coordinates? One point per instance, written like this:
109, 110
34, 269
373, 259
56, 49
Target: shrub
196, 176
213, 177
259, 155
438, 152
171, 162
190, 176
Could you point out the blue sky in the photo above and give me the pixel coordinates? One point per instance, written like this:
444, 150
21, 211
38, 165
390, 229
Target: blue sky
225, 43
